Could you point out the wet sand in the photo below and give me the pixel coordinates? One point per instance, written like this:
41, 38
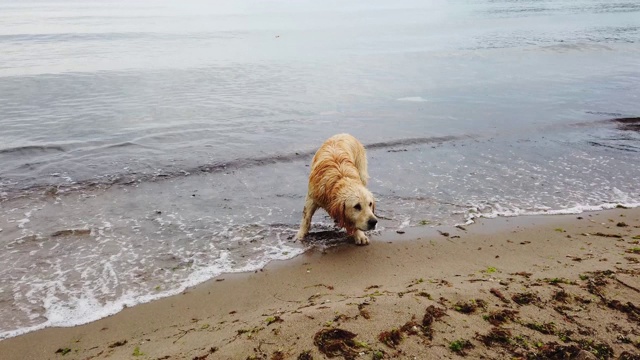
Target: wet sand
528, 287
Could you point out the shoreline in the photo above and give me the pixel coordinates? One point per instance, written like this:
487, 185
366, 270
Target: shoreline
281, 307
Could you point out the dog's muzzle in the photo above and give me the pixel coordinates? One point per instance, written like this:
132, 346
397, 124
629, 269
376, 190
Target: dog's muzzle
372, 223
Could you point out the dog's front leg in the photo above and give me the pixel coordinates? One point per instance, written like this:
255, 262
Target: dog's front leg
360, 237
310, 208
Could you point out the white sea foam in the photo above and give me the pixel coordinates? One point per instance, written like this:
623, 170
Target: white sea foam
404, 223
22, 222
85, 308
498, 211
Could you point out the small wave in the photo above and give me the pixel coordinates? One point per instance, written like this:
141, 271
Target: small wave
32, 149
211, 168
563, 48
302, 155
603, 113
622, 147
111, 36
64, 37
127, 144
618, 7
629, 124
623, 123
414, 141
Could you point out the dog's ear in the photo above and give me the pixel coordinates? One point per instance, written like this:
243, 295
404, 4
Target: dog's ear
342, 216
337, 210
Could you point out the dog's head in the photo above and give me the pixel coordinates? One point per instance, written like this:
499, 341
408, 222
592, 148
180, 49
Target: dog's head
358, 208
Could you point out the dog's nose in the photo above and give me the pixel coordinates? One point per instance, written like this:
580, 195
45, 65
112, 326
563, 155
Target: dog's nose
372, 223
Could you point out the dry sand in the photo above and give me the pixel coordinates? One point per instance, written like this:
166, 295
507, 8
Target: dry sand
530, 287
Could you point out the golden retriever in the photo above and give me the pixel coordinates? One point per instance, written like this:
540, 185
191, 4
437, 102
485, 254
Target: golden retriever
337, 184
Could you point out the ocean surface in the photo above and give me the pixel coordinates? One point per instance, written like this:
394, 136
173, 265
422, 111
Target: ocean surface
148, 146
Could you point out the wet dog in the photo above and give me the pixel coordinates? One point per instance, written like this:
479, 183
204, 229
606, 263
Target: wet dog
337, 183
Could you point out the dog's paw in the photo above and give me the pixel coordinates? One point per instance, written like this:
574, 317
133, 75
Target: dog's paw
361, 238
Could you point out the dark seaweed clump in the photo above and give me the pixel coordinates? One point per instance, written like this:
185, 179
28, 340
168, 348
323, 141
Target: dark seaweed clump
525, 298
496, 335
500, 317
305, 355
469, 307
556, 351
460, 346
430, 316
391, 338
336, 342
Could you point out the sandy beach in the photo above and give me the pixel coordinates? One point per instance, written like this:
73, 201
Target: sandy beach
559, 287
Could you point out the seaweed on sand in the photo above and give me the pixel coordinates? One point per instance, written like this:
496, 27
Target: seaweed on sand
525, 298
499, 295
469, 307
430, 316
391, 338
555, 351
305, 355
500, 317
544, 328
336, 342
460, 346
496, 335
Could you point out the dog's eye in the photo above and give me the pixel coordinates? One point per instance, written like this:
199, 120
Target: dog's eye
358, 207
370, 204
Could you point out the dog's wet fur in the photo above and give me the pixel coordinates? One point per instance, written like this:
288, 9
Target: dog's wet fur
337, 183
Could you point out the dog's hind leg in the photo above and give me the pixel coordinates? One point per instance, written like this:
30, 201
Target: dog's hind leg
310, 208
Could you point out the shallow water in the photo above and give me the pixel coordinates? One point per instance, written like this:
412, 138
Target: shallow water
174, 139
